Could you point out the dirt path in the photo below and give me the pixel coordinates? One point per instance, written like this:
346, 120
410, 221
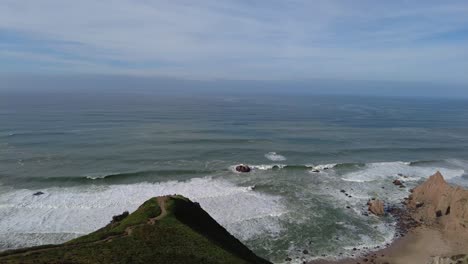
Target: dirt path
162, 205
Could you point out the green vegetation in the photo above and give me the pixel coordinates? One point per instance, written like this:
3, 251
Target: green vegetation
181, 232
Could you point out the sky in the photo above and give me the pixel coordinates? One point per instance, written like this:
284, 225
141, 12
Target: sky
238, 40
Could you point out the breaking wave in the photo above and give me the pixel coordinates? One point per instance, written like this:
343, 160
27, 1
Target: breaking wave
408, 170
61, 214
273, 156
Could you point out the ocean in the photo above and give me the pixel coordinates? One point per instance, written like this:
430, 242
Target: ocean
97, 154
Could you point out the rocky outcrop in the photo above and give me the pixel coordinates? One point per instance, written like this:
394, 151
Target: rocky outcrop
243, 168
376, 207
435, 201
397, 182
432, 228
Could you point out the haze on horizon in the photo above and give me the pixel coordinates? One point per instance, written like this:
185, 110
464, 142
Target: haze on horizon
422, 42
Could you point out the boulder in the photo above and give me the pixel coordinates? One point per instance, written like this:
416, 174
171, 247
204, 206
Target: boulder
376, 207
243, 168
251, 188
397, 182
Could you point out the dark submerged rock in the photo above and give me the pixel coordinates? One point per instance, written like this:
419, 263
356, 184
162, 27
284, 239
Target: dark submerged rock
38, 193
243, 168
397, 182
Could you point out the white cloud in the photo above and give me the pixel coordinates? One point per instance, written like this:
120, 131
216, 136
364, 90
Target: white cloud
246, 40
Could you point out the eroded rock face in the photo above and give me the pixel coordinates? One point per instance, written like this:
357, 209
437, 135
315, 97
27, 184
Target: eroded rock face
437, 201
376, 207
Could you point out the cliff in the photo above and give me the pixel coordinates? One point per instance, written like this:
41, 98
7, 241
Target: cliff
169, 229
436, 202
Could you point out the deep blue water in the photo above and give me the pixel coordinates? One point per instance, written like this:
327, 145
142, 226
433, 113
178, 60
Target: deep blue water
89, 151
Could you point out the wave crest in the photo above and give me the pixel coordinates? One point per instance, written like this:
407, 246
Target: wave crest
83, 209
273, 156
408, 171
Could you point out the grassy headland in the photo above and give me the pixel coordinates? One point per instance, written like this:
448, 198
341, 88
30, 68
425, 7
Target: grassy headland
169, 229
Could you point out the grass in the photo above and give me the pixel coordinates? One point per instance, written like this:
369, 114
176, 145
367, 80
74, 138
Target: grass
148, 209
187, 234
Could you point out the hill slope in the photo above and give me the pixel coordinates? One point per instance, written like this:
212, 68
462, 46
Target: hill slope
168, 229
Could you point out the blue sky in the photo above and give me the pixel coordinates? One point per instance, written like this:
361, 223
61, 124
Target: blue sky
239, 40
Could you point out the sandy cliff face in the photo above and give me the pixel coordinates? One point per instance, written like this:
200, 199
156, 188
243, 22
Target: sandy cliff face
436, 202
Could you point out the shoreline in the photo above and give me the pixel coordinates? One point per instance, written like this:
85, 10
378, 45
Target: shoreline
418, 245
405, 227
424, 235
421, 244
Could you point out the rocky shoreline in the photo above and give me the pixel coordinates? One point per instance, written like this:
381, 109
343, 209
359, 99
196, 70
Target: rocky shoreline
431, 227
404, 224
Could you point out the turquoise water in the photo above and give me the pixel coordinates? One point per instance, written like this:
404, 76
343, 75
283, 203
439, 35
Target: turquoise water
96, 154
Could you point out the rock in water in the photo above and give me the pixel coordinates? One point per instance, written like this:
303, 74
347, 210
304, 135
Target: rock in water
397, 182
38, 193
243, 168
376, 207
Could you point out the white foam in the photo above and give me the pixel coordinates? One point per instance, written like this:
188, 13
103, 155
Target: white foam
267, 166
382, 170
262, 167
320, 167
63, 213
459, 163
273, 156
386, 233
324, 166
95, 176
